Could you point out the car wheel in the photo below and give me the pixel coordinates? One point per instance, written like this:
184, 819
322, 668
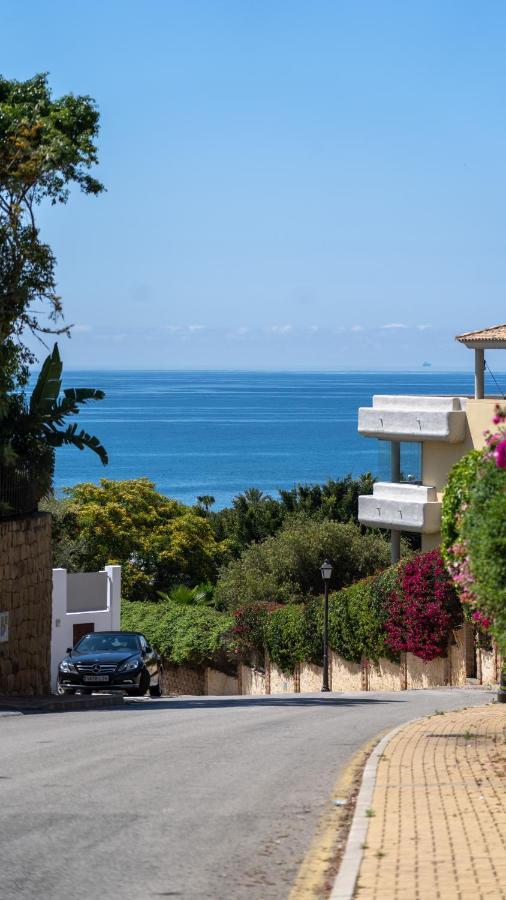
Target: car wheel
155, 690
143, 686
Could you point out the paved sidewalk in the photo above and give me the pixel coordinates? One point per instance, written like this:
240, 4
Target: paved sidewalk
438, 816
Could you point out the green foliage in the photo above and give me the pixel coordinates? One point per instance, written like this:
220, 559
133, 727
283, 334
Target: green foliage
46, 146
182, 595
286, 568
336, 500
32, 430
183, 634
254, 516
484, 531
461, 480
357, 616
286, 637
159, 542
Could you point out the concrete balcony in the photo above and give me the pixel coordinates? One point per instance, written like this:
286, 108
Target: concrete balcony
403, 507
417, 418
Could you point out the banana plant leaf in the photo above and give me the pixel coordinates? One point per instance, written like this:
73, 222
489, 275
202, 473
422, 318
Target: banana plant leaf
48, 386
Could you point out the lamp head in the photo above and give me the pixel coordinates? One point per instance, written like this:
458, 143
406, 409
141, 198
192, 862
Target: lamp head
326, 570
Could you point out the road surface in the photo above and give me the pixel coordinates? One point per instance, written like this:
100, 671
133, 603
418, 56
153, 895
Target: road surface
197, 798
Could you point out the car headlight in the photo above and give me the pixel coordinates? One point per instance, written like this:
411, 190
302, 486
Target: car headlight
66, 666
129, 665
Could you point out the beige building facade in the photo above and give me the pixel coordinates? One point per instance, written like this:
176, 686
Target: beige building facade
445, 429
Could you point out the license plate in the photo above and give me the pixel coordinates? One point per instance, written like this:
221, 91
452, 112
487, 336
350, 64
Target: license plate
95, 678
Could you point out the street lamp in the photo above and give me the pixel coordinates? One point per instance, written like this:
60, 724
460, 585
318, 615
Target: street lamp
326, 571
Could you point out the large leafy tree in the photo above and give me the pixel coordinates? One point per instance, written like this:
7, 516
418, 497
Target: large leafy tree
286, 567
158, 541
47, 145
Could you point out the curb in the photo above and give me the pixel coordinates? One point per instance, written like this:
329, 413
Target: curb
346, 879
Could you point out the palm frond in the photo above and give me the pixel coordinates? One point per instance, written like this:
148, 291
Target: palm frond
79, 439
48, 384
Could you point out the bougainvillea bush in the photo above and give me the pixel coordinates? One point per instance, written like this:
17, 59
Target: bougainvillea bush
423, 608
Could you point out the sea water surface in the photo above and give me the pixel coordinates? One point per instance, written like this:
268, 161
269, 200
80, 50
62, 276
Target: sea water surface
219, 433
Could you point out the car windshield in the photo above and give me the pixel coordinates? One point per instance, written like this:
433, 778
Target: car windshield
103, 643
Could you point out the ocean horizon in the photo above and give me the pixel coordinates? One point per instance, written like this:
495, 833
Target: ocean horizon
219, 432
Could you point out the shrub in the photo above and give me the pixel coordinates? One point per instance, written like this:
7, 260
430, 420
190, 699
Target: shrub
286, 568
456, 497
286, 637
423, 608
484, 534
182, 634
357, 616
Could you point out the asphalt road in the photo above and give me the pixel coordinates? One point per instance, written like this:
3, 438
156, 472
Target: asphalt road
192, 798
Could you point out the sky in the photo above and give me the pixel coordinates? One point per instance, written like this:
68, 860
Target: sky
290, 185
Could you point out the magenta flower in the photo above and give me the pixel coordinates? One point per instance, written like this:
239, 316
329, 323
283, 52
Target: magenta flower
500, 455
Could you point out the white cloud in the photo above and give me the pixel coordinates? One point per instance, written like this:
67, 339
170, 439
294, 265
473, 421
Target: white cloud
394, 325
357, 328
280, 329
184, 330
81, 329
424, 327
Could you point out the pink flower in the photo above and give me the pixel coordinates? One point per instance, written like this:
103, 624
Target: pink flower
500, 455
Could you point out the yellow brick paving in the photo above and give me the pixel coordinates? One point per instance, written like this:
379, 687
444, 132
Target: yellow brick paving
438, 816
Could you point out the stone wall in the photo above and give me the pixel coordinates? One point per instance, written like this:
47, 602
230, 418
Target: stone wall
182, 680
251, 681
26, 595
219, 684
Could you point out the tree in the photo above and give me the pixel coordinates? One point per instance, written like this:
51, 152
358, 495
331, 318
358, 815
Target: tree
205, 502
46, 146
159, 542
255, 516
286, 567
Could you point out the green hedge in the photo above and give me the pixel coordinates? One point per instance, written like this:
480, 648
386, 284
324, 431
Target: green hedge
484, 531
291, 633
357, 617
182, 634
457, 493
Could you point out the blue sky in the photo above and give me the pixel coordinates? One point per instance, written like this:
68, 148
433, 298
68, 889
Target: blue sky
298, 185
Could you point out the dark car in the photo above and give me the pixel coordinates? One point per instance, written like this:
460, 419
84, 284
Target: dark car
107, 660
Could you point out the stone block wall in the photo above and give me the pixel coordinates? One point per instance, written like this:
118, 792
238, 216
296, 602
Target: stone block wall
182, 680
218, 684
251, 681
26, 595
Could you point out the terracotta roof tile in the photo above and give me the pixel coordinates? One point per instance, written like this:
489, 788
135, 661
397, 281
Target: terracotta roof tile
496, 333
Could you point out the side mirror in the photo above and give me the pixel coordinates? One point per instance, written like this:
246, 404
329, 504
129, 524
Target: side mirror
69, 651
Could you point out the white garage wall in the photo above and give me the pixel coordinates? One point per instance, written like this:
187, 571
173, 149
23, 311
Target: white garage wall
83, 597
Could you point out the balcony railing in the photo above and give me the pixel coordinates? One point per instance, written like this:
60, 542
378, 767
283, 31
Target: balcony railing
415, 418
402, 507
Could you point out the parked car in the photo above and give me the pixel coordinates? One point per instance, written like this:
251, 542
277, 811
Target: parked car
105, 660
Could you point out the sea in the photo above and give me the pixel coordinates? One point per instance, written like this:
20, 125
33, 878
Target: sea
219, 433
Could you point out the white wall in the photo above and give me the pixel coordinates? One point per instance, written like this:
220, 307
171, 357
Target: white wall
68, 594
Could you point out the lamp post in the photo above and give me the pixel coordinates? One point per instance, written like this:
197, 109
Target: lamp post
326, 571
